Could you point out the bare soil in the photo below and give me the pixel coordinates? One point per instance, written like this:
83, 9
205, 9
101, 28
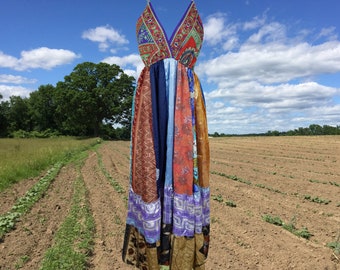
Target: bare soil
271, 176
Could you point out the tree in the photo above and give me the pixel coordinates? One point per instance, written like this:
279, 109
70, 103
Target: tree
316, 129
42, 108
91, 96
4, 112
18, 115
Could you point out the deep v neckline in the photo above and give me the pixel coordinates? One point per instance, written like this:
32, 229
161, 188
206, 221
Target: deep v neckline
180, 22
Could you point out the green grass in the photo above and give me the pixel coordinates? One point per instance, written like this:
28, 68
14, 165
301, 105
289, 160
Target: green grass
25, 158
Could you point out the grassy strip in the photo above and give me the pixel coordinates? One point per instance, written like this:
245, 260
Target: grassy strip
304, 233
24, 158
25, 203
74, 239
112, 181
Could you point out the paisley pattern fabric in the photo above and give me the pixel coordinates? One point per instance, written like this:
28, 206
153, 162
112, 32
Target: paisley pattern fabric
168, 221
185, 42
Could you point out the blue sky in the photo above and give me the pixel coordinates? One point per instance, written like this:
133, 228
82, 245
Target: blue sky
265, 64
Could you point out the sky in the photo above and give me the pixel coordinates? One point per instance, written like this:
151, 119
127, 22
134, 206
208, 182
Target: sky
265, 65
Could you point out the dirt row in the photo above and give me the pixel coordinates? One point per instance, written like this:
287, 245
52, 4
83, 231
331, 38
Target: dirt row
240, 239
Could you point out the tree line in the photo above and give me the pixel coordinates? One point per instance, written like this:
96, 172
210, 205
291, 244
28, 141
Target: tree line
93, 100
312, 130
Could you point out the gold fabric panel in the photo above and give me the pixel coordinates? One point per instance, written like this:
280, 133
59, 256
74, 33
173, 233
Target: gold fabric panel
203, 150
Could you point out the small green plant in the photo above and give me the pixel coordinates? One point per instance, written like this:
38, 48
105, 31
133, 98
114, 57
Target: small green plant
335, 245
316, 199
272, 220
233, 177
334, 184
317, 181
22, 261
230, 204
304, 233
218, 198
270, 188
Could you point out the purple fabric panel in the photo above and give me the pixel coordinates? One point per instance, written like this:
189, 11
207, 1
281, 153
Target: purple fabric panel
146, 217
184, 215
191, 212
167, 204
205, 193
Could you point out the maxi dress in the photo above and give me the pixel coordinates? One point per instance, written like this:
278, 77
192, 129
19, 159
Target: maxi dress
168, 221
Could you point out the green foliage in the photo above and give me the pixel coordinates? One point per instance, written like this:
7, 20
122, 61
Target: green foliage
91, 95
34, 134
93, 99
42, 107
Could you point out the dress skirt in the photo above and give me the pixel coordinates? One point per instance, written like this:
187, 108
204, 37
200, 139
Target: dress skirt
168, 220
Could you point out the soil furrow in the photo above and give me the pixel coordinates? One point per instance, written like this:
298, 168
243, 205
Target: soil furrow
25, 247
109, 213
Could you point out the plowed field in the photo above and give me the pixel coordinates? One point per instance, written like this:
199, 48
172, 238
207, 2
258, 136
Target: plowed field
295, 179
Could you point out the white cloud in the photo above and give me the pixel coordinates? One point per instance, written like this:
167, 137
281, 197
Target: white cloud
280, 97
7, 61
42, 57
7, 91
273, 62
255, 23
328, 33
269, 78
217, 31
127, 63
272, 32
105, 36
12, 79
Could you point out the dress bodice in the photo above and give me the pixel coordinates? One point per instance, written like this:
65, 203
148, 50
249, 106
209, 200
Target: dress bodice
185, 42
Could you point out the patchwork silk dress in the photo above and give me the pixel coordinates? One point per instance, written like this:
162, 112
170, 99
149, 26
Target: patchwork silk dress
168, 220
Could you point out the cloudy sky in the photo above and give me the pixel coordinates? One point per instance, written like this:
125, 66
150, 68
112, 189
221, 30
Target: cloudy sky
265, 64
